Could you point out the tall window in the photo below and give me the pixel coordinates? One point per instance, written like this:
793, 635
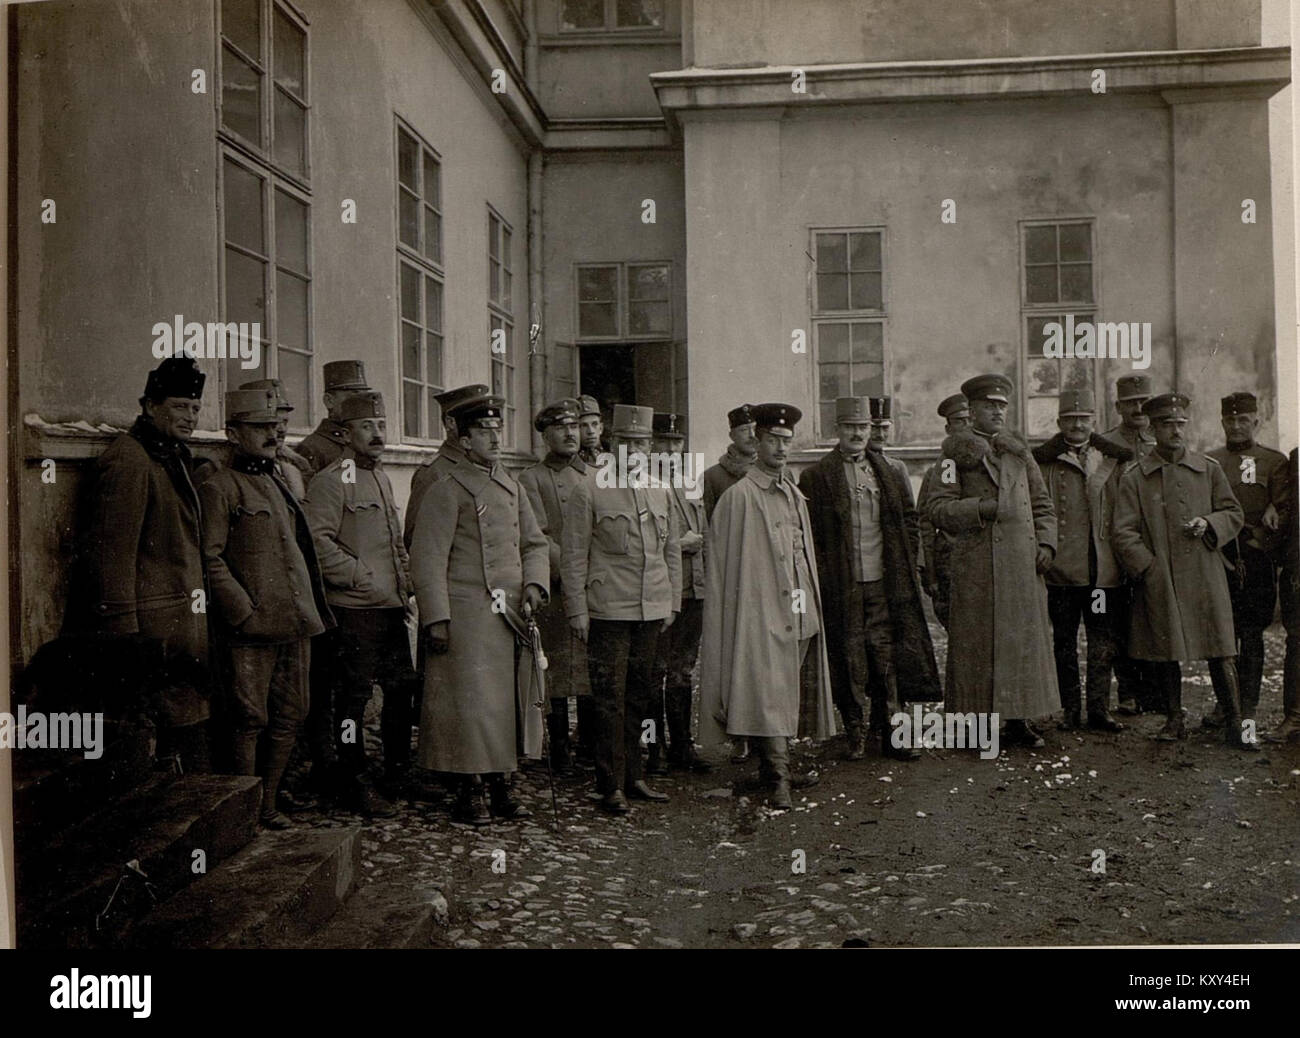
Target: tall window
420, 279
610, 15
266, 194
848, 317
619, 301
1057, 259
501, 326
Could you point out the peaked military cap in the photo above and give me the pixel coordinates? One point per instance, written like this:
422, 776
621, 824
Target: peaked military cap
776, 416
275, 385
483, 410
1075, 402
631, 420
450, 399
345, 374
369, 404
252, 405
955, 406
742, 415
175, 376
1167, 406
670, 425
987, 387
1132, 387
852, 409
565, 410
1239, 403
588, 405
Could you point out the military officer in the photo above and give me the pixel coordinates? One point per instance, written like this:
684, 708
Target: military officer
549, 484
359, 543
1281, 517
864, 529
1253, 582
1136, 688
679, 646
621, 570
478, 554
293, 469
591, 427
342, 379
449, 453
267, 592
733, 464
143, 560
1081, 470
1173, 514
882, 424
936, 546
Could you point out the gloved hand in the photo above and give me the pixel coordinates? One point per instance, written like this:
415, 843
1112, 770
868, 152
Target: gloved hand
1043, 562
532, 599
437, 637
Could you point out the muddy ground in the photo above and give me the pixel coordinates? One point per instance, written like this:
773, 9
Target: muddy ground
1201, 844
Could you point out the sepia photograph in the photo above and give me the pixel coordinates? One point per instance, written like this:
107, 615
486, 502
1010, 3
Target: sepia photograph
650, 474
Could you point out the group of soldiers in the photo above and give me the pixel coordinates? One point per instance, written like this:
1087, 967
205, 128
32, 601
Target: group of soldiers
289, 576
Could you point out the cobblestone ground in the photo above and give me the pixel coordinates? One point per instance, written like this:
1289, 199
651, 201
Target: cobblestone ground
1095, 839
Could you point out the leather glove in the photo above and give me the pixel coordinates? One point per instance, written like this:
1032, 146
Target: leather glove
1044, 559
532, 599
438, 637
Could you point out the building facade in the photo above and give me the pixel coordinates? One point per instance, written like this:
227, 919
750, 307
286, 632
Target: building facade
682, 204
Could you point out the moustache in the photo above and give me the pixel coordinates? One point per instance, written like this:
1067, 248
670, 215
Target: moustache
376, 443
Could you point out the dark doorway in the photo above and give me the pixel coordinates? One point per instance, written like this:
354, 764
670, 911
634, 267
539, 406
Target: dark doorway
609, 374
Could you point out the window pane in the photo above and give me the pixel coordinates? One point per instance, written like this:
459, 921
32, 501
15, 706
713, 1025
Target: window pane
290, 133
1037, 333
639, 13
506, 283
1077, 374
505, 248
410, 409
1043, 377
647, 283
868, 380
1041, 415
1040, 285
494, 231
1076, 282
498, 378
1076, 242
865, 254
410, 350
833, 381
867, 292
868, 342
833, 343
435, 412
237, 374
494, 281
433, 358
245, 289
410, 293
583, 14
290, 65
432, 181
832, 291
432, 235
827, 414
408, 216
295, 372
597, 319
291, 310
243, 205
647, 318
1040, 244
408, 155
832, 257
241, 24
290, 232
241, 97
597, 284
432, 304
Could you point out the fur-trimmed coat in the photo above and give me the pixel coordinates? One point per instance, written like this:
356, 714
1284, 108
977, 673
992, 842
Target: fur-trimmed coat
1083, 498
829, 509
999, 636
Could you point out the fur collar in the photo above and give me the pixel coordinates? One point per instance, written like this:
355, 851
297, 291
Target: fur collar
1056, 446
968, 448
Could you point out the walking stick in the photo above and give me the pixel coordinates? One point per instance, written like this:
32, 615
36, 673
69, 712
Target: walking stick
540, 664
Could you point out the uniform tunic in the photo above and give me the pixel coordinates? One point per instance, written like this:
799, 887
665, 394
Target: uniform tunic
477, 535
324, 444
1253, 583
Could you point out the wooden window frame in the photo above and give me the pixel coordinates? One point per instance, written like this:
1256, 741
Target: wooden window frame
622, 303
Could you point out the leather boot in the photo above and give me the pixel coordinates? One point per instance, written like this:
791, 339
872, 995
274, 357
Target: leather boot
857, 741
279, 748
891, 707
1223, 675
1171, 679
779, 799
504, 805
470, 808
1288, 729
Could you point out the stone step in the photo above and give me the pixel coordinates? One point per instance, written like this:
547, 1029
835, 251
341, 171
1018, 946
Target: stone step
378, 915
65, 883
277, 890
55, 789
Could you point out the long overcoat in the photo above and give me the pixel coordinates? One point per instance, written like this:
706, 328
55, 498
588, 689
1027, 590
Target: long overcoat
550, 483
476, 541
143, 555
1182, 609
750, 681
829, 508
999, 636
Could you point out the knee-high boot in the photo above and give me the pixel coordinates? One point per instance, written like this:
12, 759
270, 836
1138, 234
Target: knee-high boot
1223, 676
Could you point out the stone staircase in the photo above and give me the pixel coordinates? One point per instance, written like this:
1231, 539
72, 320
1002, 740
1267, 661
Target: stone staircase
113, 854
